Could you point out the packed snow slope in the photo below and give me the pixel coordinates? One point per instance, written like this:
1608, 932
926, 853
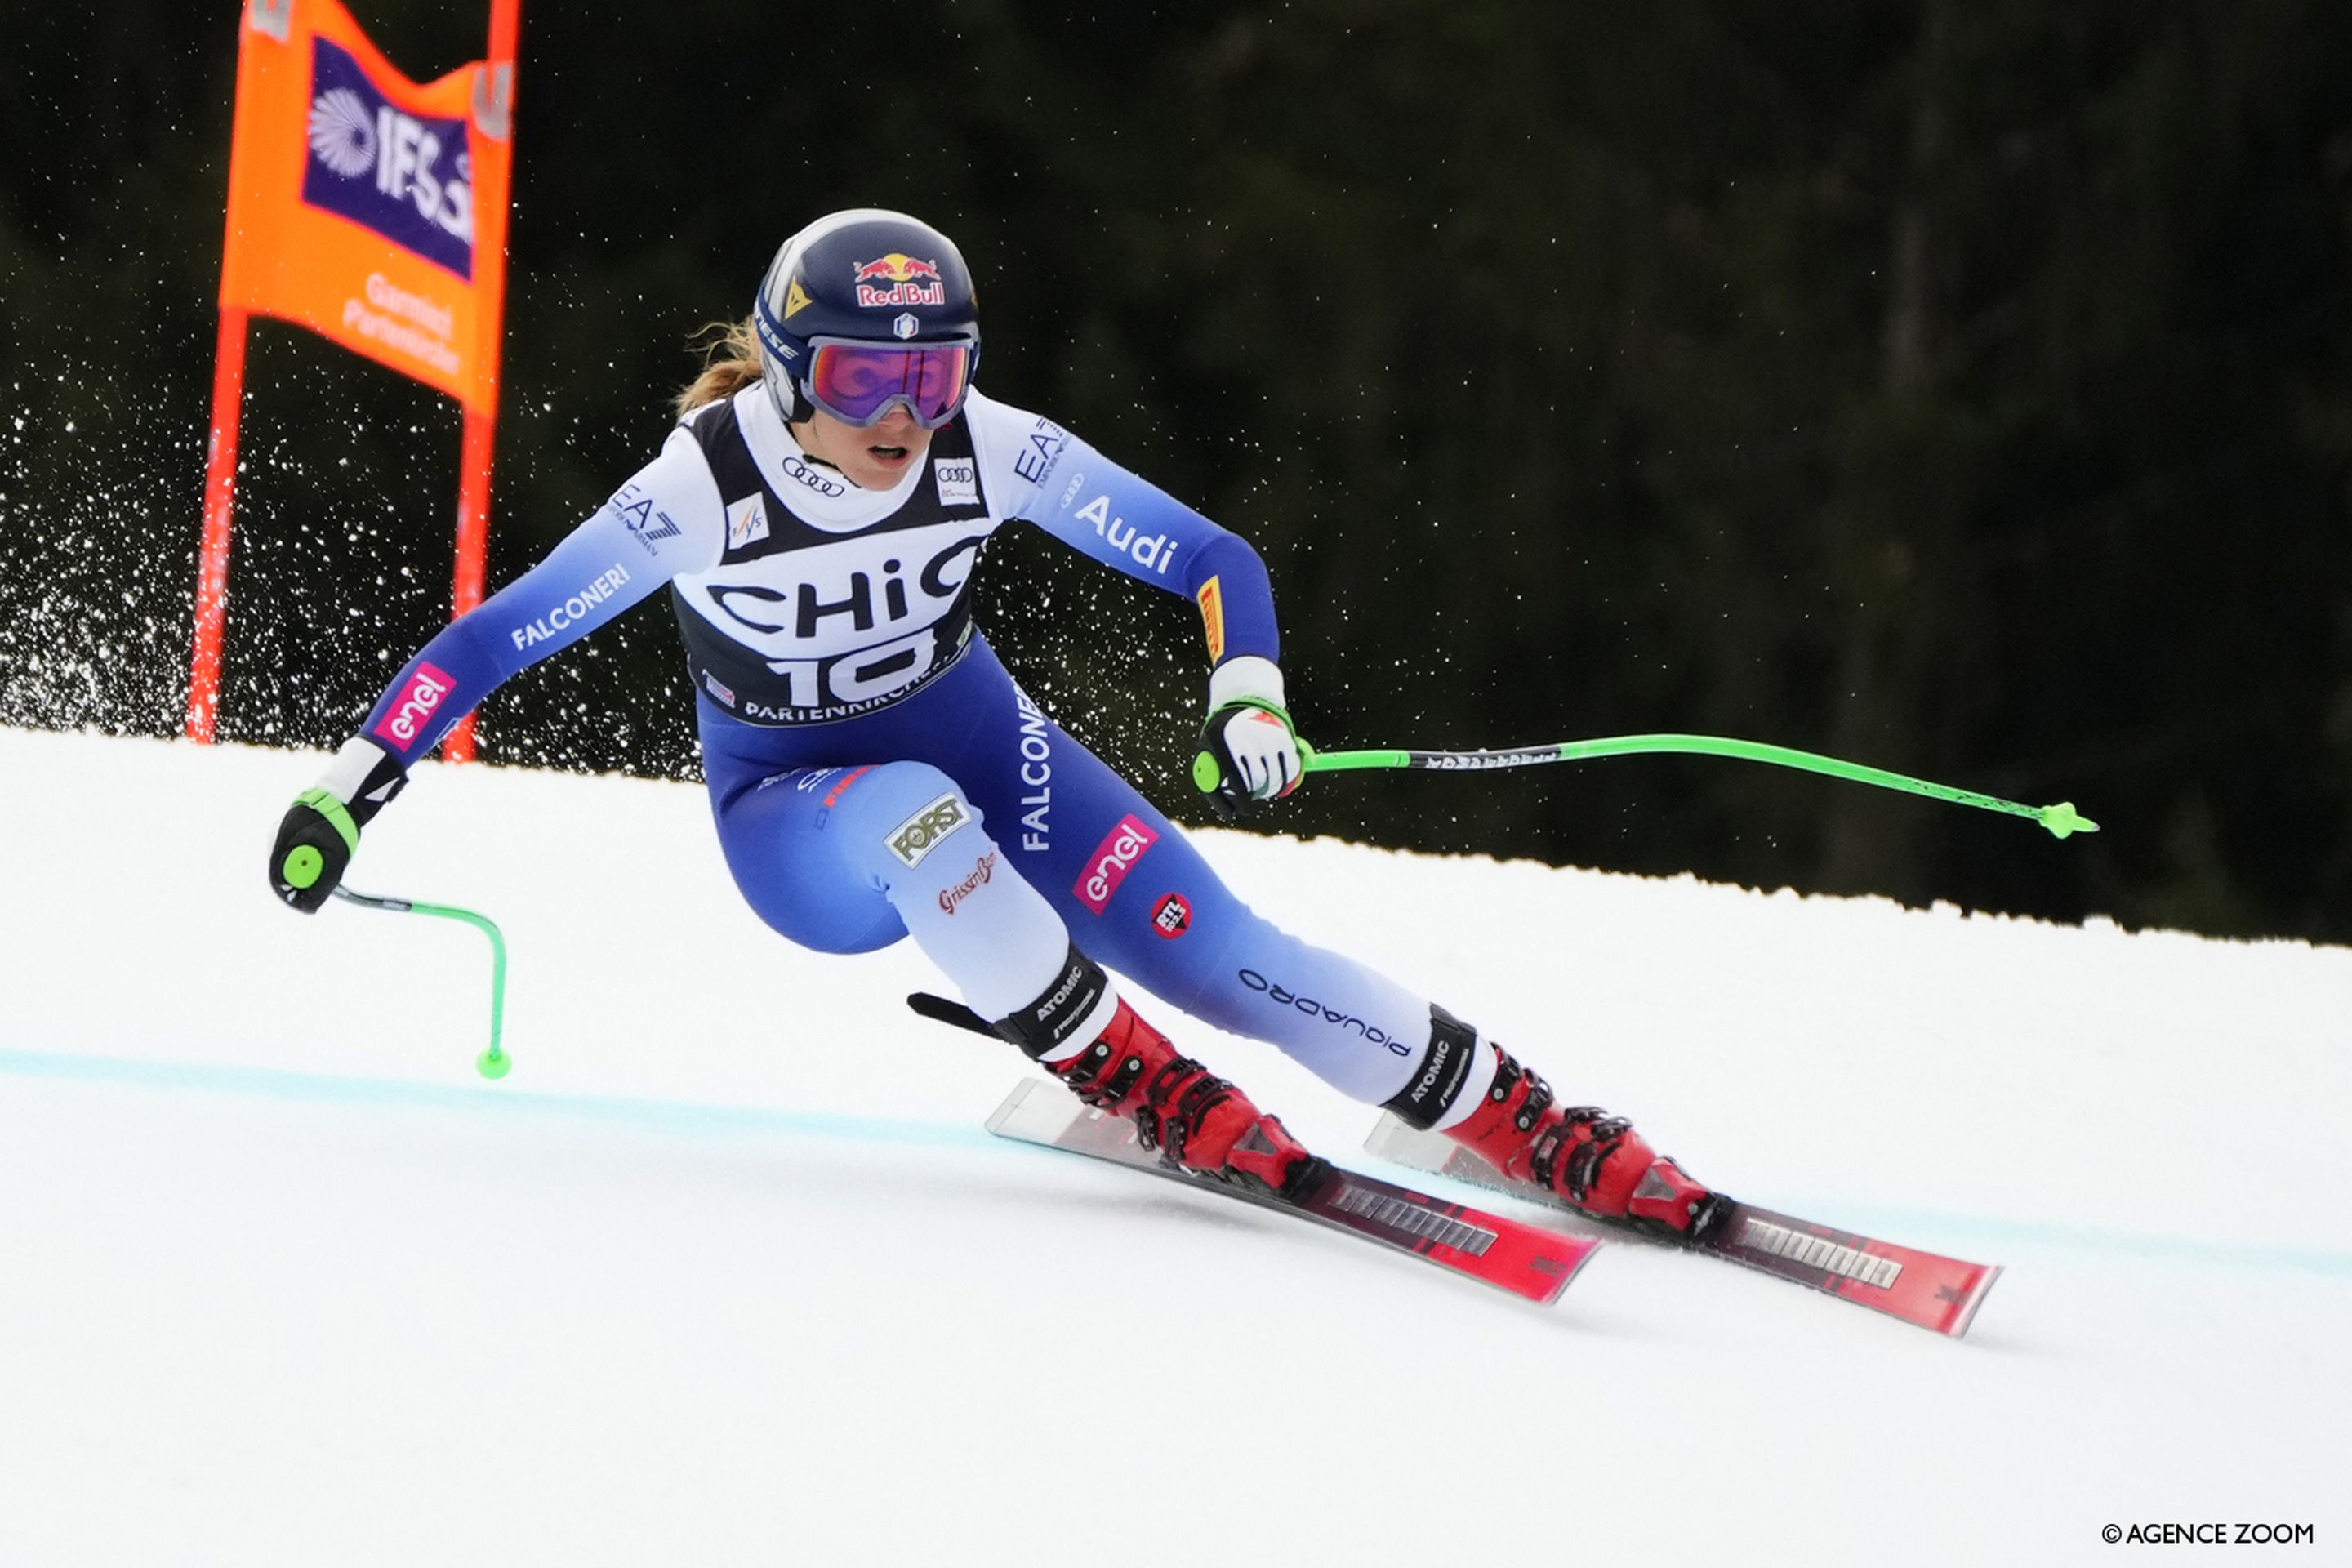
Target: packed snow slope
725, 1271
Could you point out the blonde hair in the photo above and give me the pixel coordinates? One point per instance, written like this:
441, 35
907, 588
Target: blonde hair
729, 364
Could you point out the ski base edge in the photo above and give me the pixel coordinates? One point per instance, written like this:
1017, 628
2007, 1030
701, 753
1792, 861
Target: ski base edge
1533, 1262
1924, 1289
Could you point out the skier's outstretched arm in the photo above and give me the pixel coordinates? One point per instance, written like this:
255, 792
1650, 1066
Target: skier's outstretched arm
1248, 748
656, 526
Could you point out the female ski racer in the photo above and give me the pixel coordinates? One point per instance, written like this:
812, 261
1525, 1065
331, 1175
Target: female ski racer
876, 774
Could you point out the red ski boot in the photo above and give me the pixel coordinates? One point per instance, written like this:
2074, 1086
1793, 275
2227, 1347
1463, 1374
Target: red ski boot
1202, 1122
1595, 1161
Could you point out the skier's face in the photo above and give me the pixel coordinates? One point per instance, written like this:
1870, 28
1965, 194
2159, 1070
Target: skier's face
874, 458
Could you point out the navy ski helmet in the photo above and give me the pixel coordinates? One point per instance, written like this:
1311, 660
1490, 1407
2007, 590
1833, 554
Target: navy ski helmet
879, 279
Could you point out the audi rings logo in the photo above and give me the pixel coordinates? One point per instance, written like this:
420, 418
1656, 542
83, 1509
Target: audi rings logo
812, 479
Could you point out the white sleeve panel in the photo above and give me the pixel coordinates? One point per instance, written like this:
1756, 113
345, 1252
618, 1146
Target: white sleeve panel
673, 507
1017, 450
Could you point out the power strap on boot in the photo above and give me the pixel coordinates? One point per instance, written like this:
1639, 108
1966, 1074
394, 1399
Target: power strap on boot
1444, 1067
1061, 1010
1584, 1156
1581, 1153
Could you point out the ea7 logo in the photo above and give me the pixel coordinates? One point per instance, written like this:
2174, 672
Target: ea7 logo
647, 526
920, 833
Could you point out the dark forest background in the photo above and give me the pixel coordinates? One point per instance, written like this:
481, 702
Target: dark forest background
1961, 388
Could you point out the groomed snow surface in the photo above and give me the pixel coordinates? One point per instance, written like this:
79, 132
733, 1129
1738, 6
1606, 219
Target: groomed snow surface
725, 1271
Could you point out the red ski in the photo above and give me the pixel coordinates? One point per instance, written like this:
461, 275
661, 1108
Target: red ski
1525, 1259
1935, 1292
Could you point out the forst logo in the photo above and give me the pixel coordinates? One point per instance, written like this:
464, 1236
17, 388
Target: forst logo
408, 179
920, 833
1113, 858
419, 700
906, 276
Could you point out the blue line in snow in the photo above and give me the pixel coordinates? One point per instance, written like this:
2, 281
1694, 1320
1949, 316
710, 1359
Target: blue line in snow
1927, 1229
277, 1083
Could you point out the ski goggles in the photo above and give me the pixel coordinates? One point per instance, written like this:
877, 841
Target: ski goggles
858, 383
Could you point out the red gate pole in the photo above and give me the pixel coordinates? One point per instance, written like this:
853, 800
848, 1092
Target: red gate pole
506, 26
474, 479
220, 507
472, 550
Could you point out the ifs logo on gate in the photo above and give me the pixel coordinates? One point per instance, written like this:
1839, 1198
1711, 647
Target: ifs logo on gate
410, 180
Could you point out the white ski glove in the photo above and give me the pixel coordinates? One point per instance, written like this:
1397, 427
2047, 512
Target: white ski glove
1248, 750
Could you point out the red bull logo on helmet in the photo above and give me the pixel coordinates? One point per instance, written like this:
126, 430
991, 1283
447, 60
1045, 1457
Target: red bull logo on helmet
912, 282
898, 267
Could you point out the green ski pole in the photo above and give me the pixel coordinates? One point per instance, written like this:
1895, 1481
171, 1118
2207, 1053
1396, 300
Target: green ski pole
494, 1061
2061, 819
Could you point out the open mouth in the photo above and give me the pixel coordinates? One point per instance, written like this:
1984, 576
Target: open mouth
889, 456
